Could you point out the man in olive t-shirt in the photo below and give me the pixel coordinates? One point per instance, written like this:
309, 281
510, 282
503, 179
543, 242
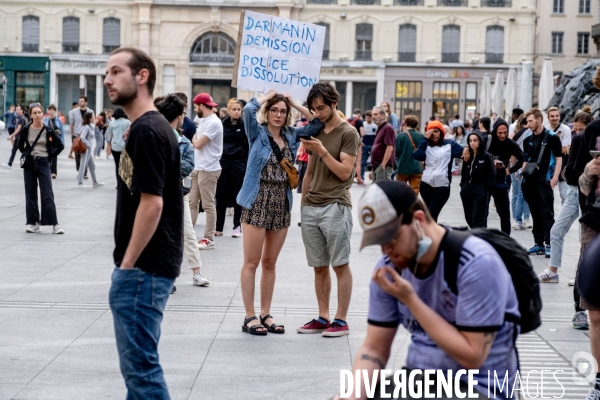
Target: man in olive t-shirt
326, 208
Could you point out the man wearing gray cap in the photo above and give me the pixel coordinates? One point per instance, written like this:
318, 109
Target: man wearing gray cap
448, 331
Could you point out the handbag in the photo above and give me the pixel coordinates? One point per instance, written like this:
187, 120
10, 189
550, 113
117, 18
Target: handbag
27, 161
414, 148
532, 167
290, 170
78, 146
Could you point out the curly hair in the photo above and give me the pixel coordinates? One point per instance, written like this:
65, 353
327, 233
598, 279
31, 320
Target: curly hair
262, 115
324, 91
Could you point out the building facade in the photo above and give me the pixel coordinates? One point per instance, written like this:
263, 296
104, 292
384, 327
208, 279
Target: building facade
426, 57
564, 33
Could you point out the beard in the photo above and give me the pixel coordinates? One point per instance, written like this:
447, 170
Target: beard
127, 95
328, 118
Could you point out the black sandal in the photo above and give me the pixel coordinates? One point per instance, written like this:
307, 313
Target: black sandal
254, 329
273, 327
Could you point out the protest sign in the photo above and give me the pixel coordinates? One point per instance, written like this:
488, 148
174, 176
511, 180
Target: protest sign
277, 53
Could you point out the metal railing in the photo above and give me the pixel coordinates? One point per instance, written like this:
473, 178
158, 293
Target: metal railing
31, 47
70, 47
407, 57
408, 2
224, 58
365, 2
109, 49
450, 57
496, 3
363, 55
452, 3
321, 1
494, 58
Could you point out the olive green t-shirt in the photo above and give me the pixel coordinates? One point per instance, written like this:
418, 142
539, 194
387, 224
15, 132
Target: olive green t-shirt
325, 187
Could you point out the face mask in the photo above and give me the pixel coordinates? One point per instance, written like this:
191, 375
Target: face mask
424, 243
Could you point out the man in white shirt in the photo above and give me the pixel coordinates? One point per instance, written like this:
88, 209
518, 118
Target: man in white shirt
516, 113
564, 133
208, 147
76, 124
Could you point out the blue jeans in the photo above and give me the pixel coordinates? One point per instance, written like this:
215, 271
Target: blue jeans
137, 301
366, 152
568, 214
520, 208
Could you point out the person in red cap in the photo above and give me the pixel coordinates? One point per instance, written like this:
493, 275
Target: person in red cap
437, 154
208, 147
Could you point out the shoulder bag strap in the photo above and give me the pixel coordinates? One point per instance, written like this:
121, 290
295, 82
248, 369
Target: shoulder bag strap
36, 139
275, 148
411, 140
544, 140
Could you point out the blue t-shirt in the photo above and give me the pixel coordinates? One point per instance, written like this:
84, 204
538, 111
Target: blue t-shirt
485, 295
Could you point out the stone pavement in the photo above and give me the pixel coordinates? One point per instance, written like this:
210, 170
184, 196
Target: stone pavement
56, 334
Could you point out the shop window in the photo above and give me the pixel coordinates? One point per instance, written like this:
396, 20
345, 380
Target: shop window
29, 88
213, 47
111, 35
583, 43
364, 95
494, 45
584, 6
341, 89
557, 42
445, 100
408, 99
70, 40
220, 90
407, 43
470, 100
451, 44
364, 38
326, 44
31, 33
558, 6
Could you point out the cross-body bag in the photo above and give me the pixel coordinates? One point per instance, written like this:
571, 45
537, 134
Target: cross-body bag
290, 170
414, 148
532, 167
27, 161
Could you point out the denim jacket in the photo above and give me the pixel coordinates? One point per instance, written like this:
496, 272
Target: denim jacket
59, 125
260, 151
187, 156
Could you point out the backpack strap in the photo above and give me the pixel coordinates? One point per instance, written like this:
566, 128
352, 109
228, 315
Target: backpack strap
452, 246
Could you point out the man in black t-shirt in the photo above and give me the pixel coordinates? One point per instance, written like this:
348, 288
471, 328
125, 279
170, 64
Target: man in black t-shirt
148, 224
538, 189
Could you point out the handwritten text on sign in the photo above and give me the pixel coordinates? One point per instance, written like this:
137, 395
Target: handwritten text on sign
280, 54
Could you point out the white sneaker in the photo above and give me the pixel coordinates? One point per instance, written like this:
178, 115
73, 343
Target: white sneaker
33, 228
571, 282
237, 232
548, 276
593, 394
98, 184
529, 223
6, 166
200, 280
206, 244
56, 229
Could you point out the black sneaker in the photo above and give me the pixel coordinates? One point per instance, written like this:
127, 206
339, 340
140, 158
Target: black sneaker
174, 289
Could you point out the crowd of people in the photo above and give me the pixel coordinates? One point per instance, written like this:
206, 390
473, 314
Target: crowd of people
170, 168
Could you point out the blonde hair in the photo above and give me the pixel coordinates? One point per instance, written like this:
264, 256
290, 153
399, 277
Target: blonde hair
341, 114
233, 101
553, 108
262, 117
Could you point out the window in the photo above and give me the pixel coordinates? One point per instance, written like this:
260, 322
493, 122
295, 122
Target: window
583, 43
407, 43
31, 33
111, 35
70, 41
445, 99
408, 2
365, 2
470, 99
557, 42
452, 3
326, 44
496, 3
558, 6
494, 44
451, 44
408, 99
584, 6
213, 46
364, 38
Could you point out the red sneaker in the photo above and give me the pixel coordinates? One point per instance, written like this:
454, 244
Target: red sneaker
314, 326
336, 329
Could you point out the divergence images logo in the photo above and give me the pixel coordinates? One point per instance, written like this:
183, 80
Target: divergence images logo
586, 368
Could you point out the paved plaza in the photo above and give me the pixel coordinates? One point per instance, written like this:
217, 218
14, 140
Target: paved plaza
56, 332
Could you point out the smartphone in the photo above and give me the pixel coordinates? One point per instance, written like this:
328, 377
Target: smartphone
595, 153
305, 137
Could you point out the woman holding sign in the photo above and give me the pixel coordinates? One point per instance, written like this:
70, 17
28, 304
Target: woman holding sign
266, 197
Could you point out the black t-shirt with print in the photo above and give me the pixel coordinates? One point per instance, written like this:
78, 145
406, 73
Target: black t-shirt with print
532, 146
150, 164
